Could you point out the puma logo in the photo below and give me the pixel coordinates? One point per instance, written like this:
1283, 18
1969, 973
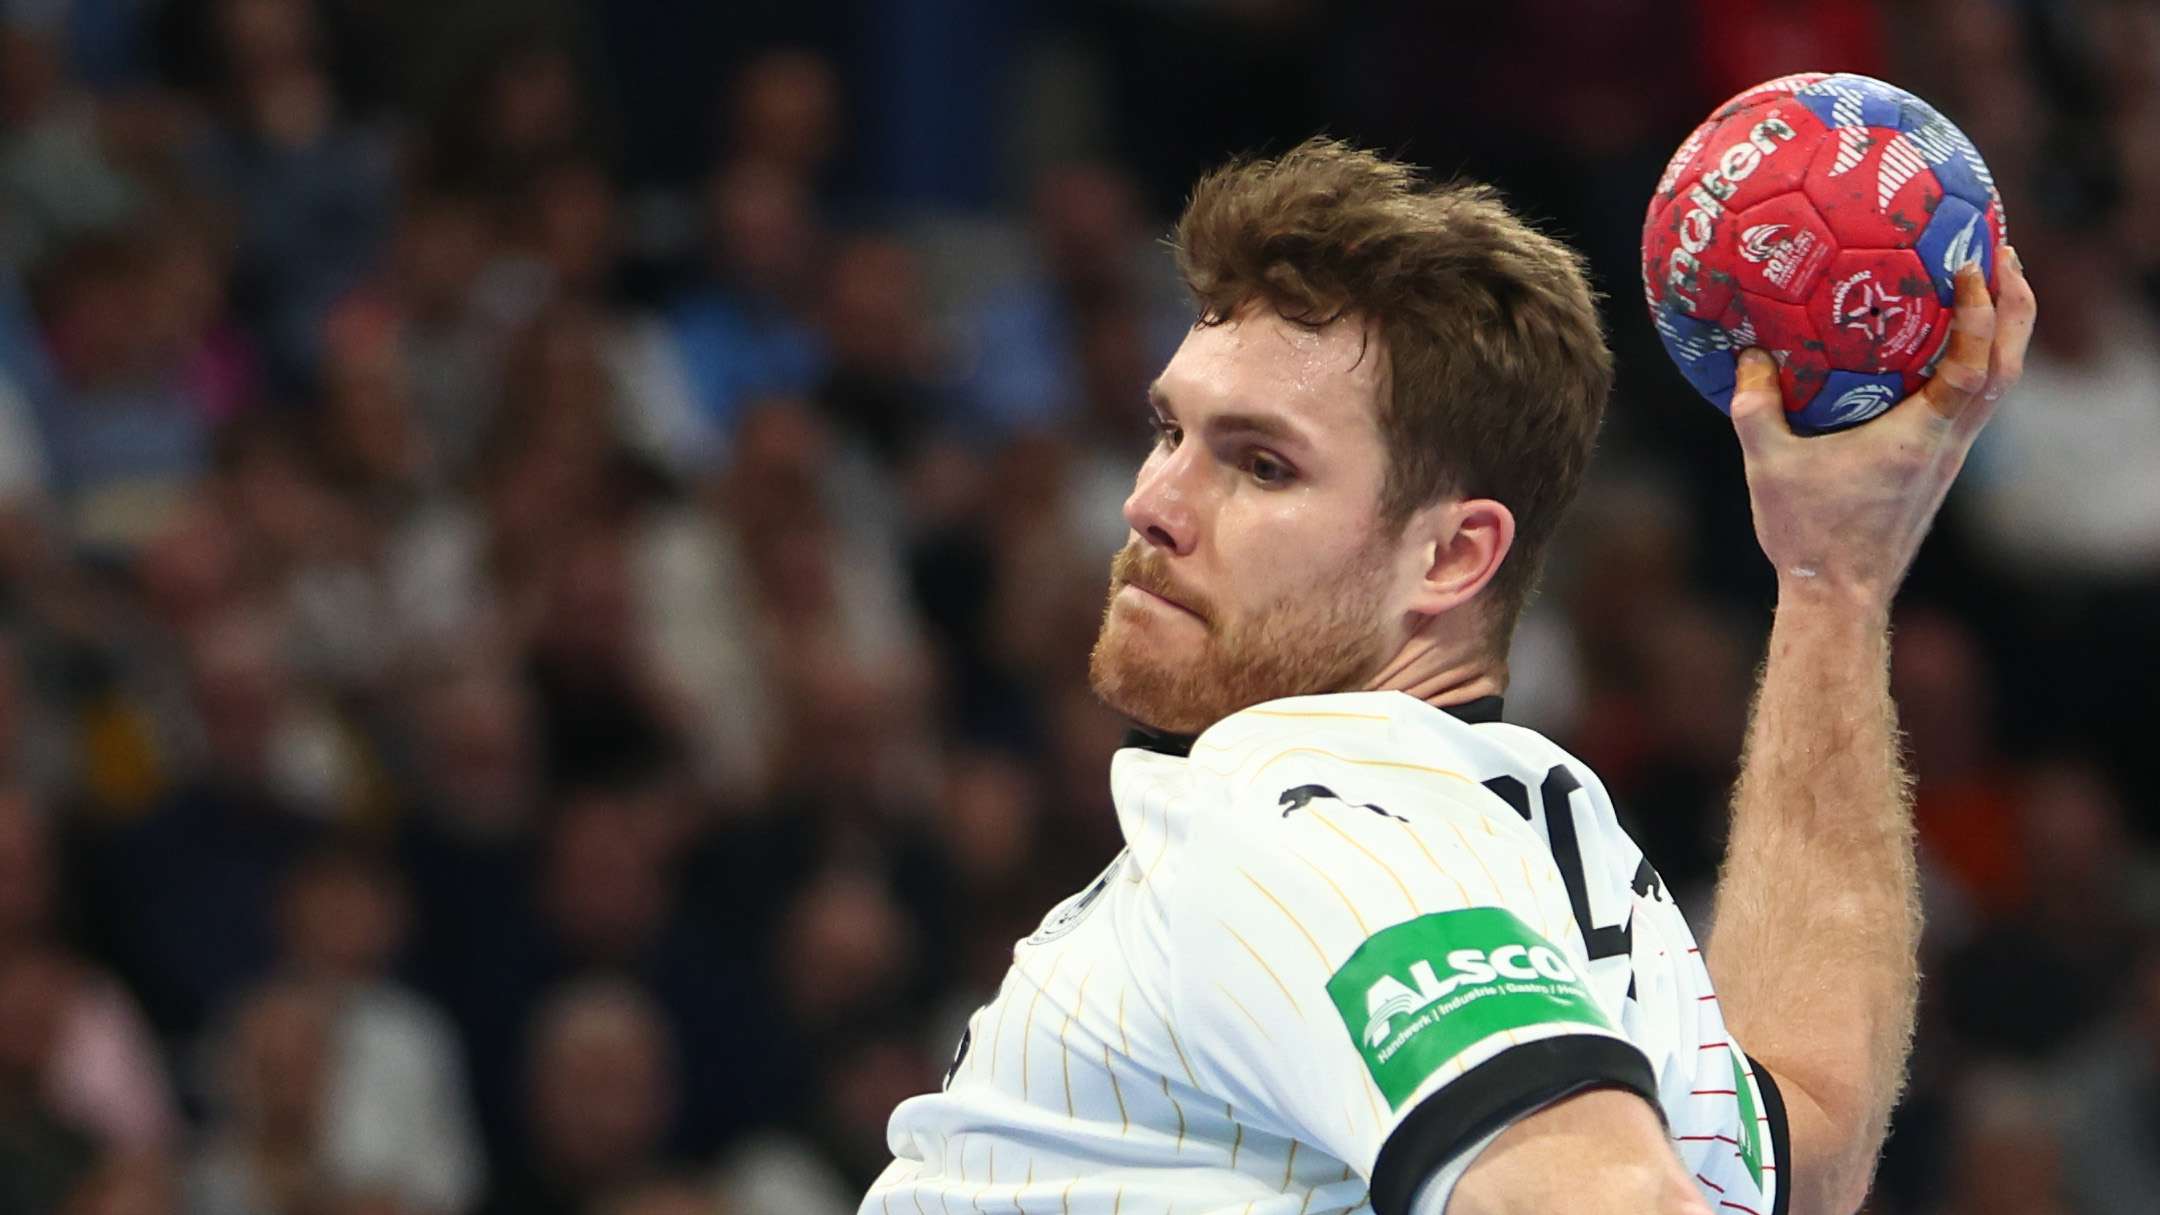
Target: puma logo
1298, 798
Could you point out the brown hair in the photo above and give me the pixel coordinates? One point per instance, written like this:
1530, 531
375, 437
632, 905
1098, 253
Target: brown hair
1498, 369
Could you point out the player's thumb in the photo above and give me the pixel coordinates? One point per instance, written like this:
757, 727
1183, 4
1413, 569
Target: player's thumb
1758, 407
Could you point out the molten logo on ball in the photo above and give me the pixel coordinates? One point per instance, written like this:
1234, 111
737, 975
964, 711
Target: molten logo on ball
1719, 182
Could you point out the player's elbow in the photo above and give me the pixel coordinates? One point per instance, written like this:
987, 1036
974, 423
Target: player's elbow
1836, 1135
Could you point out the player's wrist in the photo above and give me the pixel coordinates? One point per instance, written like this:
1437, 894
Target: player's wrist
1832, 604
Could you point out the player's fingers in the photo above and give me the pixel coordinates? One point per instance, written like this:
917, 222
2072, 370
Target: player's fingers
2016, 310
1963, 371
1758, 407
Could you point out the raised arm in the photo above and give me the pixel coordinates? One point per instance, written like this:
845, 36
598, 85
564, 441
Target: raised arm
1817, 916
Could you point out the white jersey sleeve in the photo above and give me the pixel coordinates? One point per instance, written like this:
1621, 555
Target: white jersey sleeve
1378, 958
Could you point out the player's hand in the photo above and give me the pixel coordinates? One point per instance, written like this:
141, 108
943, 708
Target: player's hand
1842, 514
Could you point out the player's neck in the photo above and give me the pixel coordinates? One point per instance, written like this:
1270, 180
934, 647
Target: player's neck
1442, 671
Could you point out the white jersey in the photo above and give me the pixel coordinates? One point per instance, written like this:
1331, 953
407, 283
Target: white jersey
1349, 939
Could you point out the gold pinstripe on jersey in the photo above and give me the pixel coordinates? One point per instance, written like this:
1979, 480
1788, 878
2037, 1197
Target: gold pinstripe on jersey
1027, 1030
1292, 917
1408, 900
1179, 1047
1116, 1090
1499, 896
1434, 861
1238, 1004
1363, 929
1179, 1110
1279, 984
1361, 763
1314, 715
1065, 1051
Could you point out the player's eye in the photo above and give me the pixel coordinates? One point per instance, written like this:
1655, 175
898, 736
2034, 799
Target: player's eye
1266, 470
1164, 432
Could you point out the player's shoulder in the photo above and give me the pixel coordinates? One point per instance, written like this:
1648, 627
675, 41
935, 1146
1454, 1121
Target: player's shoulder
1378, 734
1391, 755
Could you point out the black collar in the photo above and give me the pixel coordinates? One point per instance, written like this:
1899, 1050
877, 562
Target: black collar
1475, 712
1179, 745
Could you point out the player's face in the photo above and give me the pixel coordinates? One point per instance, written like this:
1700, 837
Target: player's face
1257, 566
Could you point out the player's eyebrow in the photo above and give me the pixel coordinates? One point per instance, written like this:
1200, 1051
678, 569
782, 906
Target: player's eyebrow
1270, 426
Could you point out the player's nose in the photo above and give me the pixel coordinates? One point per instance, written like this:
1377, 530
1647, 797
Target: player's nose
1161, 507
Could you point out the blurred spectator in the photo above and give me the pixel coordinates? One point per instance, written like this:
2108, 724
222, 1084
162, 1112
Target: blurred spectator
784, 110
2092, 900
600, 1097
991, 813
273, 1075
2007, 1148
1666, 681
819, 598
42, 1155
142, 1184
2112, 1102
396, 1120
1114, 354
1964, 795
612, 898
747, 333
1091, 252
184, 899
100, 1068
866, 945
128, 430
310, 188
2063, 508
56, 180
37, 747
665, 1197
2062, 490
882, 390
451, 338
521, 103
822, 1168
601, 702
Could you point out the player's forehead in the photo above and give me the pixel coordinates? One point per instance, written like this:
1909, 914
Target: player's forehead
1326, 379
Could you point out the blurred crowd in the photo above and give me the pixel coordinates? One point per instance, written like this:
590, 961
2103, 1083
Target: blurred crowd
548, 552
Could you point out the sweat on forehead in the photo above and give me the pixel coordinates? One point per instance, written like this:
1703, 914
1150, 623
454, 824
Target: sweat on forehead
1258, 353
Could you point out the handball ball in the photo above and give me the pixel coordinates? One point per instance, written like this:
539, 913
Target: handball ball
1822, 218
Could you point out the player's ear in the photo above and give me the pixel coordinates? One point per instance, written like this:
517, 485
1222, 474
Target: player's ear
1462, 543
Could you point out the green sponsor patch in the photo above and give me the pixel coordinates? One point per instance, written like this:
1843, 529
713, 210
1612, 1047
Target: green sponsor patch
1750, 1128
1416, 995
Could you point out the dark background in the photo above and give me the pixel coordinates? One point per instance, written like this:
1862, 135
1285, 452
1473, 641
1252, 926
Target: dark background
548, 552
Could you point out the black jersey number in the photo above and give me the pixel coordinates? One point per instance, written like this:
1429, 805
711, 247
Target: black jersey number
1555, 797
